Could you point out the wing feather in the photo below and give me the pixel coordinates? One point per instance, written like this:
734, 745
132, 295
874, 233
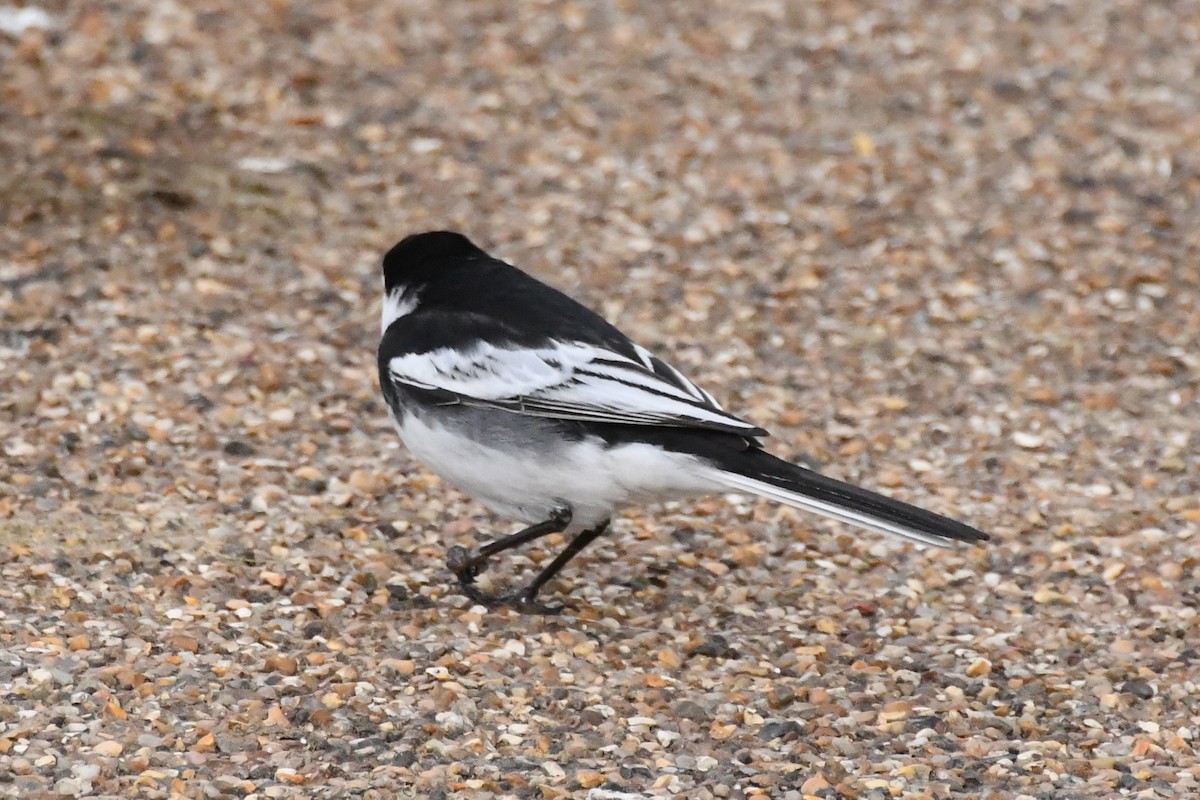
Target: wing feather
567, 380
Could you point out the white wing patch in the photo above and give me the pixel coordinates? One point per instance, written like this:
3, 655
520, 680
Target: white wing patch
487, 372
569, 381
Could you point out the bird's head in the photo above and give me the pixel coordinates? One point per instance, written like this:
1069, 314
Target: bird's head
416, 259
421, 254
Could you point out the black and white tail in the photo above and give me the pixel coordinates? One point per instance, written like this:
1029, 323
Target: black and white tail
757, 472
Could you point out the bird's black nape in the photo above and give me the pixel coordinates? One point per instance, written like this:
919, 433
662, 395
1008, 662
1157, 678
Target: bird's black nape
422, 251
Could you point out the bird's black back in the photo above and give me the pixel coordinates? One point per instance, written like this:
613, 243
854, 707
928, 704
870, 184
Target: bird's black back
453, 278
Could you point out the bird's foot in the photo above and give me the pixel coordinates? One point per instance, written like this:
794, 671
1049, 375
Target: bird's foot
525, 603
520, 600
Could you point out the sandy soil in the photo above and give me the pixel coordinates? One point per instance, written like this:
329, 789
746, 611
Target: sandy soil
952, 250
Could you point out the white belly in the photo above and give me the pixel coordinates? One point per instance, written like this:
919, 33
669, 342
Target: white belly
527, 483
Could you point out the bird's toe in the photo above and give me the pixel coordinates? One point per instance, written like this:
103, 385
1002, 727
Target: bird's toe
464, 566
528, 604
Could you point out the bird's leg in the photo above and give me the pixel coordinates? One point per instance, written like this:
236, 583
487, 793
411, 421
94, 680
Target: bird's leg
466, 566
525, 598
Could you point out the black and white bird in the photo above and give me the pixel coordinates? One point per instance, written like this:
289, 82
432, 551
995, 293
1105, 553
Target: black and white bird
543, 411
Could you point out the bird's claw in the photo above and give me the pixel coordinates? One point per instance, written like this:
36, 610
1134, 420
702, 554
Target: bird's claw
464, 566
519, 600
528, 604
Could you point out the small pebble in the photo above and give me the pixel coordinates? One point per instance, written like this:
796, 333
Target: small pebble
108, 749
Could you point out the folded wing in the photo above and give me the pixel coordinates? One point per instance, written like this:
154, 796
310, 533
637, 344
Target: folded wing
566, 380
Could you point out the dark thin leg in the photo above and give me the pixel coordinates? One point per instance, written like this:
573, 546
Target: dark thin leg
525, 598
467, 566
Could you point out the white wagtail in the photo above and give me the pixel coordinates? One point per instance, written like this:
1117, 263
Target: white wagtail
536, 406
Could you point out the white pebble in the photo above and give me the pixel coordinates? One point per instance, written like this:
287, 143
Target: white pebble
85, 772
265, 165
15, 21
1030, 441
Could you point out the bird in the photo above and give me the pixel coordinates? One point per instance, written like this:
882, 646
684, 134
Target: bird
542, 410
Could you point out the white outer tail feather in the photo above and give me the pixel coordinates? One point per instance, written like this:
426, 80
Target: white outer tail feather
743, 483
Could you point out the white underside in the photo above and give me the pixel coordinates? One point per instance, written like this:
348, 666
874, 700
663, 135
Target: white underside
593, 479
589, 477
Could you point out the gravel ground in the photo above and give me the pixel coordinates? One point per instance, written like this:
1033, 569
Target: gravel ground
949, 249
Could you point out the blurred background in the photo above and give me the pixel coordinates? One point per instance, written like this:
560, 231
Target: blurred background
951, 250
